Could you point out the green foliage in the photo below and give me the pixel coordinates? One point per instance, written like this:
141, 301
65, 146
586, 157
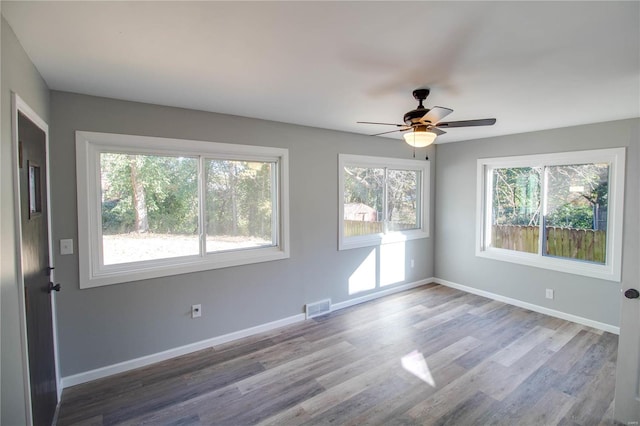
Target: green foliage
117, 218
238, 201
238, 198
516, 196
576, 196
169, 185
366, 185
402, 196
571, 216
172, 214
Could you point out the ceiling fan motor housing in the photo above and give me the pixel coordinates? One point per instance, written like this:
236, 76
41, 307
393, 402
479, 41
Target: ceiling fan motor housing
413, 117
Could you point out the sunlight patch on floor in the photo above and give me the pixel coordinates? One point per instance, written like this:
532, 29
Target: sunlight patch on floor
415, 364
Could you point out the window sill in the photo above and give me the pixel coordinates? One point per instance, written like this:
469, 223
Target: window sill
148, 270
604, 272
381, 239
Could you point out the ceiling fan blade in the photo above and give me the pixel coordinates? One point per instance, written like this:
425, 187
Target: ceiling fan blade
437, 131
391, 131
436, 114
384, 124
468, 123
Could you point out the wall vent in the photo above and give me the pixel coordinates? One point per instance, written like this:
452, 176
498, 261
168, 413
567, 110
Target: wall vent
316, 309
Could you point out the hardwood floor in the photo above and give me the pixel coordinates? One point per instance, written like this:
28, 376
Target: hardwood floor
432, 355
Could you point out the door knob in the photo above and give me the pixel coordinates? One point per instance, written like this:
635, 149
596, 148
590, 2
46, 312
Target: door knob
53, 287
632, 293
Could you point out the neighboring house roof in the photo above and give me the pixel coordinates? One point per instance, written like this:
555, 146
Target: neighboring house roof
359, 211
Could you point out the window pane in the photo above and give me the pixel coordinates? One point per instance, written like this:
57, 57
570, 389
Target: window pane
402, 199
363, 201
239, 205
35, 191
515, 205
149, 207
576, 211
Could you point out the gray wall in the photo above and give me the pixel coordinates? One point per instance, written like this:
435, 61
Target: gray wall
455, 258
20, 76
106, 325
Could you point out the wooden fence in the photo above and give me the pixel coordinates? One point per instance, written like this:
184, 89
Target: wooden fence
582, 244
354, 228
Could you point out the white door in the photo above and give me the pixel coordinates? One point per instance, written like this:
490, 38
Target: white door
627, 398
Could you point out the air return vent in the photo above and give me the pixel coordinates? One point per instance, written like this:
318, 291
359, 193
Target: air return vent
316, 309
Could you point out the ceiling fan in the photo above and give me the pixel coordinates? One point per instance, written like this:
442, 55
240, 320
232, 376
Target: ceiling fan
425, 124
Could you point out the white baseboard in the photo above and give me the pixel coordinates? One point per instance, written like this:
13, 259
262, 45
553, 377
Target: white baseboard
381, 293
530, 306
128, 365
131, 364
143, 361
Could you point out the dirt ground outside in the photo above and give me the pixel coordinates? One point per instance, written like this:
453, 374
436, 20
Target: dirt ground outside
136, 247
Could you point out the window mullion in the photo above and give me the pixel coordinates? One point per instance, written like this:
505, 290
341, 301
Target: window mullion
488, 208
202, 219
542, 234
275, 202
385, 195
96, 212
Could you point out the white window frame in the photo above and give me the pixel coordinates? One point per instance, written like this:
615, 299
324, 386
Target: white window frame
344, 160
93, 272
612, 269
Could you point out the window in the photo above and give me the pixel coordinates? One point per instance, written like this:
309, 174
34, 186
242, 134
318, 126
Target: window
556, 211
382, 200
151, 207
35, 191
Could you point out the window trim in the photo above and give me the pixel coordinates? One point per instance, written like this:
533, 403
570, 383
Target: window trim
346, 243
612, 269
89, 145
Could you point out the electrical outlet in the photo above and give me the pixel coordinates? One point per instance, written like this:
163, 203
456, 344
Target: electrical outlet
413, 263
196, 311
549, 293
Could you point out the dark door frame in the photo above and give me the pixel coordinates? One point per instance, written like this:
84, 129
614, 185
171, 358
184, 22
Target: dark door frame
19, 105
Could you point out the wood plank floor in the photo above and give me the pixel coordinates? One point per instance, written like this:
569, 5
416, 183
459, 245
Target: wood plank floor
432, 356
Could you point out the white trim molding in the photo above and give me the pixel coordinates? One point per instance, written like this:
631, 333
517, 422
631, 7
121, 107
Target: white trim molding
530, 306
146, 360
143, 361
18, 105
381, 293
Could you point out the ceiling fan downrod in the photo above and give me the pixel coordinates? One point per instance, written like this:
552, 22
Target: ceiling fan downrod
420, 95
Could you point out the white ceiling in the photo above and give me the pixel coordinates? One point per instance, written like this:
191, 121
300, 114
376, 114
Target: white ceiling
531, 65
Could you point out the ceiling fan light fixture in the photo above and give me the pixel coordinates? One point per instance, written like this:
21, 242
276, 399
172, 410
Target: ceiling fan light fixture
419, 138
